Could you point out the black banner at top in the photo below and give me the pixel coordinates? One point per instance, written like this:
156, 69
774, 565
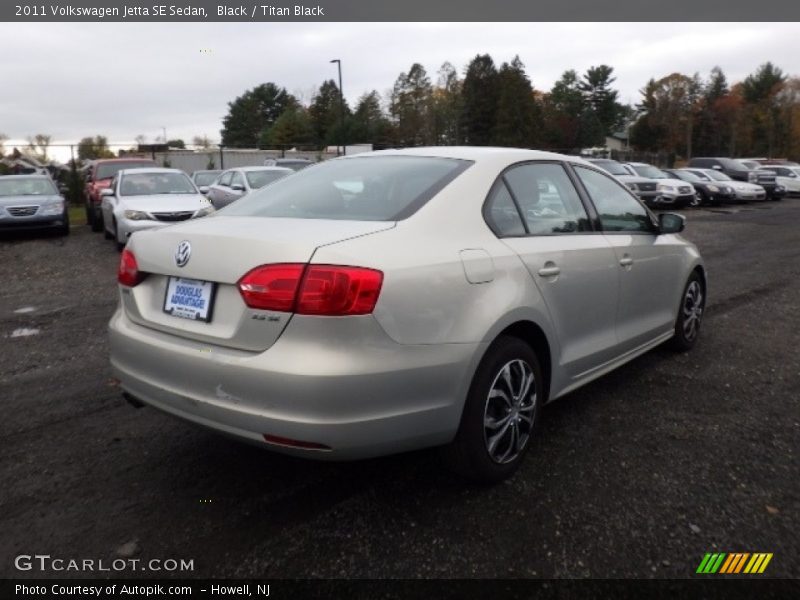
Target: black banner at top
407, 10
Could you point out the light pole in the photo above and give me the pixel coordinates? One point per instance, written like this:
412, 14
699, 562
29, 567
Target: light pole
341, 108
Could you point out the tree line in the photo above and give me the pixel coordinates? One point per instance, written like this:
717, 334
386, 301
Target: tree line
683, 115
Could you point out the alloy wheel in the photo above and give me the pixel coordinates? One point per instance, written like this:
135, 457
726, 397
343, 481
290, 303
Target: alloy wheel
509, 411
692, 310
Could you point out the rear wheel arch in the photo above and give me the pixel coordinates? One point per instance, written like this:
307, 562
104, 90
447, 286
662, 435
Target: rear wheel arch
533, 335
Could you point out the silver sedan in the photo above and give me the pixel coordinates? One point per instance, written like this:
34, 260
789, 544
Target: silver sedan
236, 183
403, 299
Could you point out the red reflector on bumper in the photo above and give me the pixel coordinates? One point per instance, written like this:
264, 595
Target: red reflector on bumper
282, 441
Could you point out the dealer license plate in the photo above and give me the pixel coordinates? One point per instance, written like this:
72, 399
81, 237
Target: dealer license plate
189, 299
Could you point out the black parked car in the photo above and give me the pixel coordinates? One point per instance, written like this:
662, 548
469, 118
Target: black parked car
708, 192
740, 172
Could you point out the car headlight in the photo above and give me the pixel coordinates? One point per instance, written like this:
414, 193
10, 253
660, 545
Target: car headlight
632, 187
712, 188
204, 212
137, 215
54, 208
663, 187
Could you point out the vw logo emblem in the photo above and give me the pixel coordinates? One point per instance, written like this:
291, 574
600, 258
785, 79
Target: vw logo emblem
183, 253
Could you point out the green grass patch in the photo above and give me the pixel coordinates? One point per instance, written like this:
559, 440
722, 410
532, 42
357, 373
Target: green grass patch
77, 215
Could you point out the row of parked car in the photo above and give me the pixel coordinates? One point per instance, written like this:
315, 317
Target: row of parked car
127, 195
707, 181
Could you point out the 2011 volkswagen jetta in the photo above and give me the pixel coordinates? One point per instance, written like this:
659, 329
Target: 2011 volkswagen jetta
403, 299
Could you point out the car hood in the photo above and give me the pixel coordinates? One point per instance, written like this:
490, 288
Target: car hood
29, 200
164, 202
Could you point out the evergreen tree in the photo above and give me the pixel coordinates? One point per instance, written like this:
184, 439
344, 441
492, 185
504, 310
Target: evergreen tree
516, 121
603, 103
479, 93
326, 113
252, 114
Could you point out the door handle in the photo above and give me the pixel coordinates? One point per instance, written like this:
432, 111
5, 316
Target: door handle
626, 261
549, 271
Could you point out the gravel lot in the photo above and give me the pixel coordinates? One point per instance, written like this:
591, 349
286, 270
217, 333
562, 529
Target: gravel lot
636, 475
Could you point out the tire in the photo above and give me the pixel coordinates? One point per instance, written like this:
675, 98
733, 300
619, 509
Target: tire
690, 314
64, 229
697, 200
89, 215
478, 453
106, 233
97, 221
117, 243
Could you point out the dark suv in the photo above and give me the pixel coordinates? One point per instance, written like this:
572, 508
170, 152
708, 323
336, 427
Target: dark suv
741, 172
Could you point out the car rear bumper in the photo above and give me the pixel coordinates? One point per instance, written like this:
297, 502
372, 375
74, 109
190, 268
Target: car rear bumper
358, 398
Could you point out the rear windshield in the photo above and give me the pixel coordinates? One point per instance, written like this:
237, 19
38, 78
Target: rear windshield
108, 170
376, 188
258, 179
27, 187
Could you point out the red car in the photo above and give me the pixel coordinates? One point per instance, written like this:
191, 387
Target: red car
98, 177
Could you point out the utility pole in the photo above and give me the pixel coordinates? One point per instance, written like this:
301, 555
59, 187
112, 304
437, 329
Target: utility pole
341, 109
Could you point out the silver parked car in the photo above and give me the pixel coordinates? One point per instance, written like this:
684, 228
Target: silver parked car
32, 202
204, 179
235, 183
403, 299
149, 198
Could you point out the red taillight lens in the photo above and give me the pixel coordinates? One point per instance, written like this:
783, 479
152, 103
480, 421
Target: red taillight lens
271, 287
314, 290
339, 291
128, 273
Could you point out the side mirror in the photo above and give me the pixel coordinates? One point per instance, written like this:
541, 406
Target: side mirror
107, 192
203, 189
671, 223
237, 187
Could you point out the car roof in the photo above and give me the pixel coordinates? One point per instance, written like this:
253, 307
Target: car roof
639, 164
116, 160
150, 170
26, 176
473, 153
257, 168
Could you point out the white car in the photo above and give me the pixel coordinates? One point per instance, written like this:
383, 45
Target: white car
671, 192
787, 176
235, 183
149, 198
744, 191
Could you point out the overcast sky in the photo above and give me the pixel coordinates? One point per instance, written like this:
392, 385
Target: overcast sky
125, 79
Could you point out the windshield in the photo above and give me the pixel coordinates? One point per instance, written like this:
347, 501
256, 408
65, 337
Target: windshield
650, 172
27, 187
149, 184
206, 177
611, 166
687, 176
718, 176
108, 170
258, 179
384, 188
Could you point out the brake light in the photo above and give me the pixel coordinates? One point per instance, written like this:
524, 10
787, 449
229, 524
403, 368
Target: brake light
325, 290
128, 273
271, 287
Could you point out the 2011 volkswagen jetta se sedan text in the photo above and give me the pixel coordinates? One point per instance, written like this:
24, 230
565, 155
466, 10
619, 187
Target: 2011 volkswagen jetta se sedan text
403, 299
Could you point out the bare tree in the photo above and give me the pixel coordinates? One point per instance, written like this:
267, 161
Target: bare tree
38, 145
140, 139
201, 142
3, 139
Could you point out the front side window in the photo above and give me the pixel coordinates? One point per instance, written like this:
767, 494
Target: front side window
618, 210
226, 179
548, 201
237, 179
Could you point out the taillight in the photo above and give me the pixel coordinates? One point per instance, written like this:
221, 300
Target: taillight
312, 290
128, 273
271, 287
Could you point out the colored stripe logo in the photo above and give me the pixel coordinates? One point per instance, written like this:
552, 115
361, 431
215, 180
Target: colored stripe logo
734, 563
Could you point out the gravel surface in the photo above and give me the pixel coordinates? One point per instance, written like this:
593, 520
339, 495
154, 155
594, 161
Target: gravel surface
638, 474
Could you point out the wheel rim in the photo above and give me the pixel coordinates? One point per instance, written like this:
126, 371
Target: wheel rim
692, 310
509, 412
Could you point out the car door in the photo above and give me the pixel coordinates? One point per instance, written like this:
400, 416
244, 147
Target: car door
238, 187
649, 265
218, 192
573, 266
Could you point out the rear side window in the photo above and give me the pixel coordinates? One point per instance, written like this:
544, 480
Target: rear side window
502, 214
374, 188
618, 210
547, 199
